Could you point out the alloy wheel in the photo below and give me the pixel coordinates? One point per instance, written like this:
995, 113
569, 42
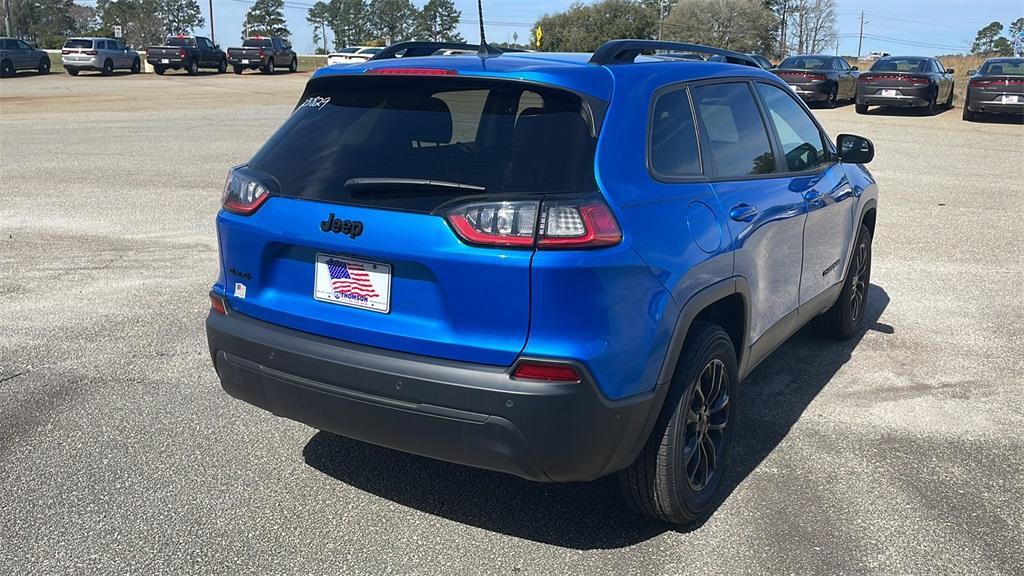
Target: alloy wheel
859, 286
706, 417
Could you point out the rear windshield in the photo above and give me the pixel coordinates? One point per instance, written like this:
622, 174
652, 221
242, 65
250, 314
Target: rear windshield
805, 63
181, 41
370, 50
350, 50
1004, 68
257, 43
501, 136
73, 43
901, 65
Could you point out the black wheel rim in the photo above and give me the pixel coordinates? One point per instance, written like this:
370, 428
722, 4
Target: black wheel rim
706, 418
859, 285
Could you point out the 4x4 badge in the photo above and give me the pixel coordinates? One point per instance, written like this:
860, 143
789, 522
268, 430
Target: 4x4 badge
350, 228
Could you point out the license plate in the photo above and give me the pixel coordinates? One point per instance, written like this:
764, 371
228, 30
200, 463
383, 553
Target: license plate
355, 283
245, 61
1010, 99
889, 93
165, 61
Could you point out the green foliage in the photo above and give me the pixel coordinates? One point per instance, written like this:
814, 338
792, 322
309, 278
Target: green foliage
741, 25
347, 19
265, 18
393, 20
985, 41
180, 16
139, 20
438, 20
584, 27
1002, 47
1016, 27
45, 22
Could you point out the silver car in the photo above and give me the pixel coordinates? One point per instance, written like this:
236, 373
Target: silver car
18, 55
103, 54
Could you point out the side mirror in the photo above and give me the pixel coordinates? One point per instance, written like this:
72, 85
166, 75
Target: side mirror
854, 149
950, 70
854, 68
972, 72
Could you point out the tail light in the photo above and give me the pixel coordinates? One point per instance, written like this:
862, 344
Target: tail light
65, 51
548, 371
807, 75
262, 54
89, 52
996, 83
181, 53
917, 79
550, 224
981, 83
412, 72
815, 77
865, 78
246, 190
217, 304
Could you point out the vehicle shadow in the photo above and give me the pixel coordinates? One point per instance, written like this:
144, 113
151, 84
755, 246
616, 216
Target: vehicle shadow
983, 118
907, 111
591, 515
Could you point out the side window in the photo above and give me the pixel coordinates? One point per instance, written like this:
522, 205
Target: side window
23, 46
802, 143
673, 142
735, 132
101, 45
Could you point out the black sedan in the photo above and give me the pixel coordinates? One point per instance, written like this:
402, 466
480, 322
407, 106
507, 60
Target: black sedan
902, 81
998, 87
819, 79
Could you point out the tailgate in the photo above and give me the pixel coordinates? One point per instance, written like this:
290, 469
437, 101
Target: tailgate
163, 52
446, 299
246, 53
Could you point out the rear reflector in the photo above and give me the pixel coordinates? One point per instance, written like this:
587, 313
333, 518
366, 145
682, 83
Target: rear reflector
217, 305
412, 72
550, 372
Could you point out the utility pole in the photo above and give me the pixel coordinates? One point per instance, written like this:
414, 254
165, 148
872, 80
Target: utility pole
7, 16
661, 18
860, 41
213, 37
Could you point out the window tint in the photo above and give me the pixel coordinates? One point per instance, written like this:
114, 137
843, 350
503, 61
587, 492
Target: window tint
181, 41
806, 63
1003, 67
900, 65
674, 149
257, 43
460, 130
734, 129
802, 143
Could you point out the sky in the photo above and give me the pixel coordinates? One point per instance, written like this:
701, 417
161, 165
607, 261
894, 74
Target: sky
909, 27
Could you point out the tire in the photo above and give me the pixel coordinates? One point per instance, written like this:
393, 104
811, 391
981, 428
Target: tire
108, 67
932, 107
833, 98
294, 66
159, 70
949, 101
44, 65
861, 108
269, 68
222, 67
193, 67
6, 69
969, 116
136, 66
73, 71
846, 317
667, 480
236, 69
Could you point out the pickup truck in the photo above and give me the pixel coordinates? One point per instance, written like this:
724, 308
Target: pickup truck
266, 53
188, 52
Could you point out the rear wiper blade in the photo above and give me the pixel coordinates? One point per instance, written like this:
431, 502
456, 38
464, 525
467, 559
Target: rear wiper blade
407, 184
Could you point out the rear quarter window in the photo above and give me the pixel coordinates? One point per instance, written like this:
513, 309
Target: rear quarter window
673, 138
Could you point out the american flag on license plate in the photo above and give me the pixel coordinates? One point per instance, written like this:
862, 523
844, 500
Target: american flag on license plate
350, 278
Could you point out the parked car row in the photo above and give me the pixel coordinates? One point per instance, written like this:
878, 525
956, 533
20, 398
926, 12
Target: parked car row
18, 55
905, 82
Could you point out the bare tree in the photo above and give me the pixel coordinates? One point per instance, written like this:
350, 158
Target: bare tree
743, 25
811, 25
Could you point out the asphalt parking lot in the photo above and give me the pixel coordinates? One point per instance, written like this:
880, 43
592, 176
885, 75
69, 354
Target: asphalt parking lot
899, 453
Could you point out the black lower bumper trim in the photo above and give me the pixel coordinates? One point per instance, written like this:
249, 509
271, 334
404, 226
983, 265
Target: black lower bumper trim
464, 413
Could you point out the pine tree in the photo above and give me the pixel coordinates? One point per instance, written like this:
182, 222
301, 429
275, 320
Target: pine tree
265, 18
393, 20
438, 20
180, 16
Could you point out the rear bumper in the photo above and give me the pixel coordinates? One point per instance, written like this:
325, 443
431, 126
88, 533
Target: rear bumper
817, 92
465, 413
82, 63
257, 63
991, 104
170, 62
920, 96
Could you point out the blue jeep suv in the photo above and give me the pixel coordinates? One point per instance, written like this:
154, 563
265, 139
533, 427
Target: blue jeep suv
558, 266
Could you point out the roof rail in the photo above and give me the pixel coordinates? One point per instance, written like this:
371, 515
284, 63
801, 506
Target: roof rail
415, 49
626, 51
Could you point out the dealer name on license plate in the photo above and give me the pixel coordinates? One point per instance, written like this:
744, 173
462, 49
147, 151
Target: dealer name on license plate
356, 283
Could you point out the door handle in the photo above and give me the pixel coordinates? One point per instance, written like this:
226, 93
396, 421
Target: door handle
743, 212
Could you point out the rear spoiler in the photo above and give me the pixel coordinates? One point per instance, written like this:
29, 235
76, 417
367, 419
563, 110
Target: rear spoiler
626, 51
